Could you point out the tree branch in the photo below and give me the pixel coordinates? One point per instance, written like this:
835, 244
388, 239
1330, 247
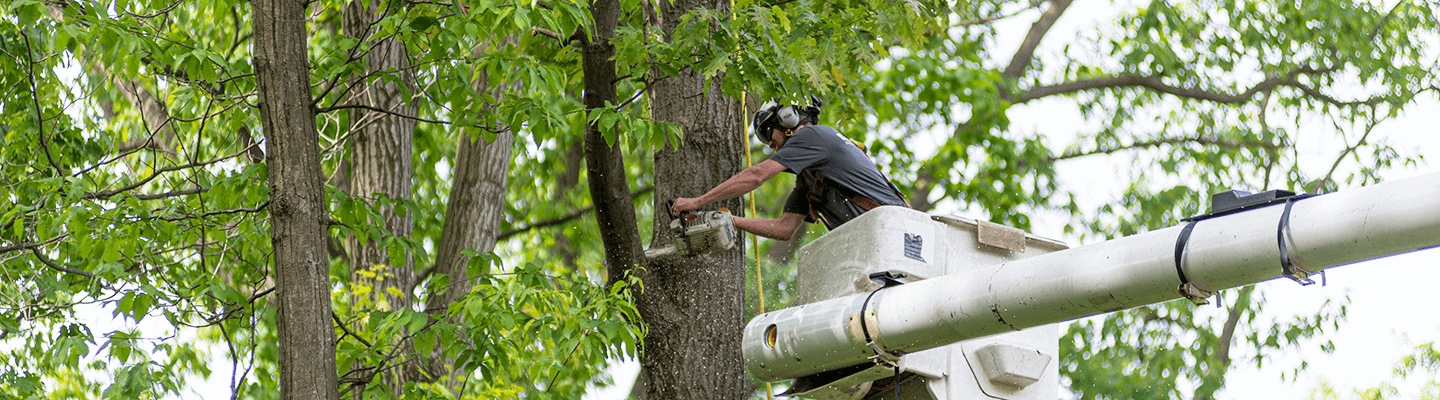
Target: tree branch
319, 110
1226, 340
176, 193
542, 31
1162, 142
993, 18
106, 194
58, 267
1026, 52
207, 214
32, 245
567, 218
1152, 82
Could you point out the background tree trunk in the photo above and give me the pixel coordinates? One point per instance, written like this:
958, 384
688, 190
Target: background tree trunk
380, 149
297, 203
472, 218
684, 359
379, 166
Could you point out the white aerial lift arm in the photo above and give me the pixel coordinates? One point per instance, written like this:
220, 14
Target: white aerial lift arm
1244, 245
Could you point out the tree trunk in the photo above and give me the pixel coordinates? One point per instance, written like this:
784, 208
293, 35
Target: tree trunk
472, 218
379, 163
380, 151
609, 188
477, 200
694, 306
297, 203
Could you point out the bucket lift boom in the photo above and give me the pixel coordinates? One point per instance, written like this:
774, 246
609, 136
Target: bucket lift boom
984, 302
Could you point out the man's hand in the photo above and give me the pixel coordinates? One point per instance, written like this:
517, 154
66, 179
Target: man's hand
684, 204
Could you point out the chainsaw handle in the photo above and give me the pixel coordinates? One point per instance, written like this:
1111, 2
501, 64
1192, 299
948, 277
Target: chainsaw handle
670, 208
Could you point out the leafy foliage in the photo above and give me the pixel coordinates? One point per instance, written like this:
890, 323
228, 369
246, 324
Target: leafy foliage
168, 232
129, 179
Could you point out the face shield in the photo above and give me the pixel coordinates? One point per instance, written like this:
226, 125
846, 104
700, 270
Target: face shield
764, 119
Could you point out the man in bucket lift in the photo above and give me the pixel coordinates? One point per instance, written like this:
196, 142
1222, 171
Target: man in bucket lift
836, 181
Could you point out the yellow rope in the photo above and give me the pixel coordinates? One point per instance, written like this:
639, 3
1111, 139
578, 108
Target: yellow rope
754, 241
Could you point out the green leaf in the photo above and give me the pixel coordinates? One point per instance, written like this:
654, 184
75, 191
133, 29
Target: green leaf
423, 23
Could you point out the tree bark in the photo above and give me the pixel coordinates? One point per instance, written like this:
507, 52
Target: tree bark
694, 307
380, 150
297, 203
379, 166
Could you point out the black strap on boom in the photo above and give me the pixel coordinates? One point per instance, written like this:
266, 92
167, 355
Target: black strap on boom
1196, 295
1288, 267
886, 280
1231, 202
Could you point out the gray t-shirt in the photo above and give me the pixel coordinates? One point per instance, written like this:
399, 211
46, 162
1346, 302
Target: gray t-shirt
846, 172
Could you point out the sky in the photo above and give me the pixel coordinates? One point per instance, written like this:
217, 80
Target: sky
1387, 312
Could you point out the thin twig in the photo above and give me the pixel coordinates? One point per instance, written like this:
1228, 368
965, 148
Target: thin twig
567, 358
346, 329
35, 97
1330, 175
157, 13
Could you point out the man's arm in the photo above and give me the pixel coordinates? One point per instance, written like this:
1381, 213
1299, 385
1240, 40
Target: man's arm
741, 183
780, 229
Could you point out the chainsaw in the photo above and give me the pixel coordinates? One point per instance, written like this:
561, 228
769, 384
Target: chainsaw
699, 232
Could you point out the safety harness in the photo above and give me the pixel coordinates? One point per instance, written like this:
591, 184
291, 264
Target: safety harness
818, 190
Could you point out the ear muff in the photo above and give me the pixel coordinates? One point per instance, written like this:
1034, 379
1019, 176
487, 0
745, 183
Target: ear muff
787, 117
